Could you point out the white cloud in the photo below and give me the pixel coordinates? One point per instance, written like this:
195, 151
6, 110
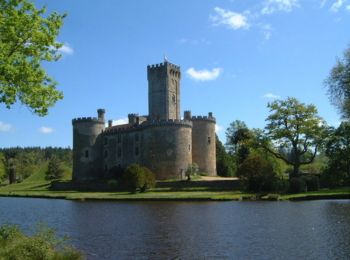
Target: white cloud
121, 121
271, 96
218, 128
272, 6
46, 130
348, 8
266, 30
66, 49
231, 19
337, 5
204, 75
4, 127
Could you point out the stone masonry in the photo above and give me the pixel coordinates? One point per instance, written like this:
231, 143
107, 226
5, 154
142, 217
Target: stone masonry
160, 141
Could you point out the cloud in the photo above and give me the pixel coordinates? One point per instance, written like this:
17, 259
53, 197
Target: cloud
46, 130
121, 121
271, 96
231, 19
204, 75
66, 49
348, 8
4, 127
272, 6
218, 128
266, 30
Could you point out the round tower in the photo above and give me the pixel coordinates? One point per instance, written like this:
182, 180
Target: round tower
87, 147
203, 142
168, 148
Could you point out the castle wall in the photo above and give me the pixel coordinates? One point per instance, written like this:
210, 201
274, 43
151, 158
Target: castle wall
87, 148
167, 149
203, 142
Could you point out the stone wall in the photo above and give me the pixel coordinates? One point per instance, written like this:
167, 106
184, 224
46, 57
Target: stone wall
203, 142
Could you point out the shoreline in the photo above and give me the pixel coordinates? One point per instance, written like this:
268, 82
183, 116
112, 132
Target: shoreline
182, 196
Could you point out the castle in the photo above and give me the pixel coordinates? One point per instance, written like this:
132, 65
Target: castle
161, 141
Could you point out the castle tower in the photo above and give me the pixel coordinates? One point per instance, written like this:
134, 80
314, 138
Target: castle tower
87, 147
163, 91
203, 143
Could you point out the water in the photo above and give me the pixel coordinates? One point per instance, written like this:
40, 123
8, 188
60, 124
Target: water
192, 230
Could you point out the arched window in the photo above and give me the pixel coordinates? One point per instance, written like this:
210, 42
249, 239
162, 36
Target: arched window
86, 153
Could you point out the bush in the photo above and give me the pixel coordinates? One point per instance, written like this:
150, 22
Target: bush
54, 170
312, 182
297, 185
257, 174
112, 184
137, 178
42, 245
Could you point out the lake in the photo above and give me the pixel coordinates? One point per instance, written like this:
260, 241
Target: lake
192, 230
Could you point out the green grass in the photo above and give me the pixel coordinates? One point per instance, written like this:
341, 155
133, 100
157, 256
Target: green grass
37, 186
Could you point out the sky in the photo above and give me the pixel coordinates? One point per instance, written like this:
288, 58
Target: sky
235, 57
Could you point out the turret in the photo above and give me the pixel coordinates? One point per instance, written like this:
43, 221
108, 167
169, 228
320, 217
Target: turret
203, 143
164, 91
87, 147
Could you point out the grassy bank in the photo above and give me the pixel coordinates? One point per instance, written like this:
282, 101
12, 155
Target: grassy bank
36, 186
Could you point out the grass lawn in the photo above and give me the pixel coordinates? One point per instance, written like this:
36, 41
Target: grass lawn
37, 186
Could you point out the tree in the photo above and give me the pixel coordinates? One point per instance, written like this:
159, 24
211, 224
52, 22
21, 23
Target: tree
236, 134
257, 174
224, 162
54, 169
338, 84
27, 38
337, 172
295, 126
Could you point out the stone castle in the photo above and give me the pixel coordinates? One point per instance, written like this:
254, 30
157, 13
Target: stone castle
161, 141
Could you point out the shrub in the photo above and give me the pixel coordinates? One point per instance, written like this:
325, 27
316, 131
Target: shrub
112, 184
42, 245
54, 170
312, 182
150, 179
297, 185
257, 174
138, 178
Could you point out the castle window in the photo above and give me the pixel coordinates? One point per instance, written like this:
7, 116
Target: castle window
189, 147
86, 153
106, 154
209, 141
136, 151
119, 152
106, 140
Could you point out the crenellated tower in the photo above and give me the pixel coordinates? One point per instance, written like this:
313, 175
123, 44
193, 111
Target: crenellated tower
163, 91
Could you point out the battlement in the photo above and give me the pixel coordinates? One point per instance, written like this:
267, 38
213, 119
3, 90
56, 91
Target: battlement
87, 119
204, 118
170, 122
162, 65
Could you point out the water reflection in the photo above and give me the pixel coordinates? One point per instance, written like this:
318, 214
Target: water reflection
192, 230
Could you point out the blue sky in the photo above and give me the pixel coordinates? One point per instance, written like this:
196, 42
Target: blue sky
235, 57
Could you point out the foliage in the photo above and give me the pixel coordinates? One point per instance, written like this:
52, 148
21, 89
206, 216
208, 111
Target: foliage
297, 185
42, 245
28, 37
112, 184
24, 162
150, 179
236, 135
295, 127
192, 170
257, 174
54, 170
338, 84
337, 172
225, 166
137, 178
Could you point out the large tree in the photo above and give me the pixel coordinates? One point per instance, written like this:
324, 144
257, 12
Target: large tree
296, 127
338, 84
27, 38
